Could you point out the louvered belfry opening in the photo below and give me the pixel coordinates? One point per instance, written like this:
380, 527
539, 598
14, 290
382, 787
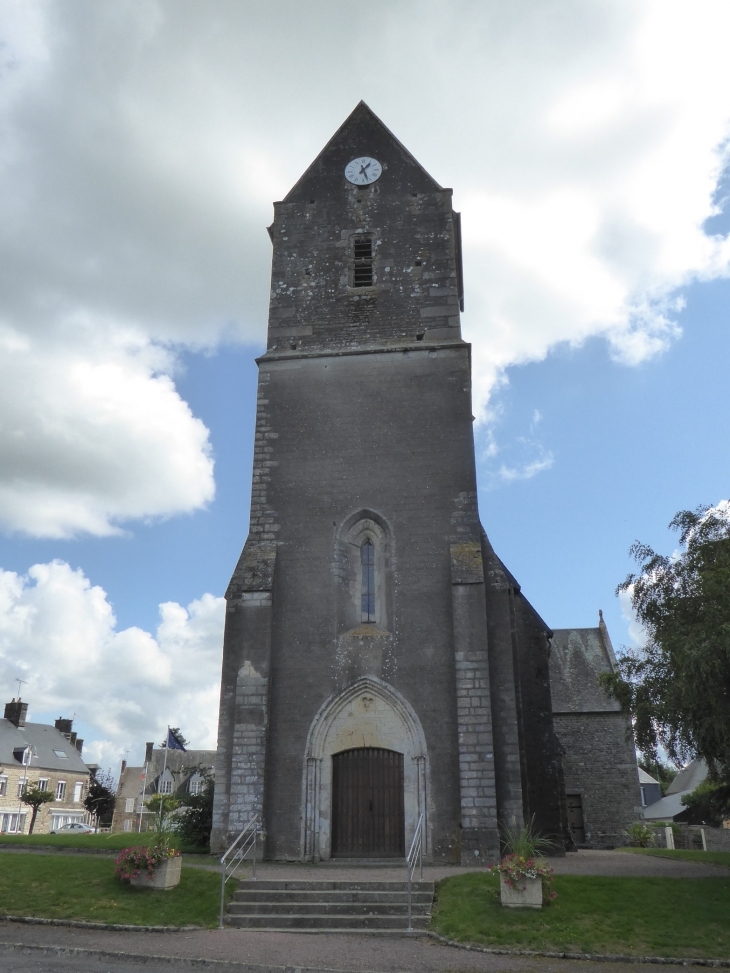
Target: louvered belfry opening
367, 804
362, 252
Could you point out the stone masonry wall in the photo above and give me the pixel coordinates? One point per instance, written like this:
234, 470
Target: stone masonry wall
600, 765
479, 834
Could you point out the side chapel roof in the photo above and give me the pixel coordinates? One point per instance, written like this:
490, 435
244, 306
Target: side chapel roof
577, 658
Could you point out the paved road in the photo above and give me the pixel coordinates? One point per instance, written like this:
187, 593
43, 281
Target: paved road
279, 952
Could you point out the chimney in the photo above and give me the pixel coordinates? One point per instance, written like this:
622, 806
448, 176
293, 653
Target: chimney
64, 726
72, 738
121, 772
15, 712
79, 744
149, 747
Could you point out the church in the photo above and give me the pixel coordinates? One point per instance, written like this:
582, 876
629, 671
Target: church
381, 666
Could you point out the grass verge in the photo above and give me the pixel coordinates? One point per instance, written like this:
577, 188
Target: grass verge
67, 887
709, 857
637, 916
85, 842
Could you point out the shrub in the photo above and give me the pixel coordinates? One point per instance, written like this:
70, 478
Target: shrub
640, 835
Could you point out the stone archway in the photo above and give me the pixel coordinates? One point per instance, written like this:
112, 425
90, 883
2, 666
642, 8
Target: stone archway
369, 713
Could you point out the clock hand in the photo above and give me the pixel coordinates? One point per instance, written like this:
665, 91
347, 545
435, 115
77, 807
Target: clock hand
363, 168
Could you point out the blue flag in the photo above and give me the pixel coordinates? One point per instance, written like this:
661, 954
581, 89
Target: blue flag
173, 743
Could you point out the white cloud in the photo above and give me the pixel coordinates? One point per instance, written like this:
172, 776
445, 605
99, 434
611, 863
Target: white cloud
637, 632
144, 144
59, 633
527, 469
93, 433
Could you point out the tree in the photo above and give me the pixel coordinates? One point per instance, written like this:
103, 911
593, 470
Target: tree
100, 800
677, 687
195, 820
708, 803
34, 797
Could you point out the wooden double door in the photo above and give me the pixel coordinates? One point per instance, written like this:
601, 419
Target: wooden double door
367, 804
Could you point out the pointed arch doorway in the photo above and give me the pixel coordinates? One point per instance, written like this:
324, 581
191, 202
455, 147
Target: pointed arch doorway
367, 804
372, 716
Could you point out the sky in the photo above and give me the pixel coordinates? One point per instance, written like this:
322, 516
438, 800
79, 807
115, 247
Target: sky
144, 141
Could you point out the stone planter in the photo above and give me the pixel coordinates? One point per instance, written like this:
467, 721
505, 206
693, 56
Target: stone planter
527, 895
165, 876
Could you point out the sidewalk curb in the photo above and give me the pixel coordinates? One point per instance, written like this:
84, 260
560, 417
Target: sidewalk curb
99, 926
589, 957
172, 961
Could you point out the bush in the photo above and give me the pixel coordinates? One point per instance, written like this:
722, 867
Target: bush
640, 835
195, 818
709, 803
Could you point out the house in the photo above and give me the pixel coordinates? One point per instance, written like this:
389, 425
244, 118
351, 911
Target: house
670, 807
177, 773
651, 789
383, 671
43, 756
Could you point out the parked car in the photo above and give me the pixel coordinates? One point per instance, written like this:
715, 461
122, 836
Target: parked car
75, 827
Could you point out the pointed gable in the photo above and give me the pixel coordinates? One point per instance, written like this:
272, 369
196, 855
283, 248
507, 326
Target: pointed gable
362, 133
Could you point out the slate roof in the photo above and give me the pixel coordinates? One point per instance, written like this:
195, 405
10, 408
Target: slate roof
362, 133
689, 778
578, 656
665, 809
671, 804
645, 778
130, 782
45, 740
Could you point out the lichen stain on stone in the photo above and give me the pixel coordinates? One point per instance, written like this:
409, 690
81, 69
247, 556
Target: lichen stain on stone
466, 563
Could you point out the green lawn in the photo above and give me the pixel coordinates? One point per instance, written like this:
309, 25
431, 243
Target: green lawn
711, 857
640, 916
70, 887
95, 842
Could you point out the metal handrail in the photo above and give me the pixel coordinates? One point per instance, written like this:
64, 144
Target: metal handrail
247, 840
413, 859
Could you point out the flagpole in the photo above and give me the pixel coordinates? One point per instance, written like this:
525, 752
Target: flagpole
164, 768
141, 798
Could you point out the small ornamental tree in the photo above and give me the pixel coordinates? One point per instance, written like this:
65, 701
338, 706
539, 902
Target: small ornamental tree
162, 805
35, 798
100, 800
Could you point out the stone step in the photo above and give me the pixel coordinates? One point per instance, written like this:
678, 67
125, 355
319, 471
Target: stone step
344, 922
327, 908
314, 905
307, 895
296, 885
363, 863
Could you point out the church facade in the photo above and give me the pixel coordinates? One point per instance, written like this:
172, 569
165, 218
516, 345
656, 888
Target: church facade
381, 665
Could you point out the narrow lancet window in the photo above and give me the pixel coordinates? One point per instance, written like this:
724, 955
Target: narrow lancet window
367, 562
362, 253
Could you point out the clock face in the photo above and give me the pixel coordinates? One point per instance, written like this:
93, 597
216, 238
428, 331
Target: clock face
363, 171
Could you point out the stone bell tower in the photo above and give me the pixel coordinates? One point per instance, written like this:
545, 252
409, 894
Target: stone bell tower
380, 663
